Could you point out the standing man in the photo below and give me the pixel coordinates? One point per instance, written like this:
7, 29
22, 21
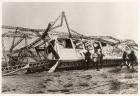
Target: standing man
95, 58
101, 58
88, 57
125, 60
132, 59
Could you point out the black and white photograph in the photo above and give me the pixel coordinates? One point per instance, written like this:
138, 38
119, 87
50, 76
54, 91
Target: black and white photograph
69, 48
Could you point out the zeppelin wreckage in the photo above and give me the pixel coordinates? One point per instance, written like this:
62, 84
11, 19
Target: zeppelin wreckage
51, 50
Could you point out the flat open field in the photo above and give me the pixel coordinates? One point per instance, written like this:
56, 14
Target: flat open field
109, 80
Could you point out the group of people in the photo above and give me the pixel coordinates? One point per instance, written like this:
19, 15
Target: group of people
129, 59
96, 58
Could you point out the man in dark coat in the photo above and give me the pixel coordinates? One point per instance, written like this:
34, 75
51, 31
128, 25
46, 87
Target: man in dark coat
132, 59
101, 58
125, 59
88, 57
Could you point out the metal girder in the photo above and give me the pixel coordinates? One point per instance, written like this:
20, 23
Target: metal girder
16, 43
22, 28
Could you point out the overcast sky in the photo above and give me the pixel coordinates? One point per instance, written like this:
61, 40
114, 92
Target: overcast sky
114, 19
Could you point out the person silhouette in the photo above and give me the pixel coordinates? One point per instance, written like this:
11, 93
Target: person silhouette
88, 57
125, 60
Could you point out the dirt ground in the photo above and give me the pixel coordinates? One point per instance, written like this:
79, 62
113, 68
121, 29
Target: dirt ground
109, 80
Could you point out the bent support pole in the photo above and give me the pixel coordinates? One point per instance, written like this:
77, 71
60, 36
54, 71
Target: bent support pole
54, 67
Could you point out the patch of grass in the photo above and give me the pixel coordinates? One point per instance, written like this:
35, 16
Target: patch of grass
87, 76
39, 92
69, 78
68, 85
128, 76
100, 92
41, 85
45, 82
83, 84
95, 83
53, 90
129, 86
48, 79
133, 71
65, 90
14, 89
115, 70
104, 75
5, 88
115, 84
133, 85
56, 75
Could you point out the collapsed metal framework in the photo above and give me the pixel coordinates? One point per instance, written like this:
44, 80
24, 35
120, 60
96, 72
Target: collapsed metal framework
25, 52
30, 56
